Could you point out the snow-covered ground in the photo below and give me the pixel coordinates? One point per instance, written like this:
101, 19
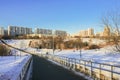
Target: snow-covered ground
18, 43
11, 66
103, 55
93, 41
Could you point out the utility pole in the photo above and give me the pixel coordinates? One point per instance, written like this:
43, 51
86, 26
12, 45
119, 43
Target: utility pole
21, 47
80, 46
80, 52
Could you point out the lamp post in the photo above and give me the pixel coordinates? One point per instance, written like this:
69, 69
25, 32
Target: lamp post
80, 52
80, 46
21, 47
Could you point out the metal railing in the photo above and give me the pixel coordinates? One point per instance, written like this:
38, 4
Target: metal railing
95, 70
23, 73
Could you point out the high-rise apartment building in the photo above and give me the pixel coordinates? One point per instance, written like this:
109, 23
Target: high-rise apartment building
85, 33
90, 32
15, 30
46, 32
1, 31
60, 33
6, 32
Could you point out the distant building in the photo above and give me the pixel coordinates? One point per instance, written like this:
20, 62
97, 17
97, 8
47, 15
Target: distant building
106, 32
45, 32
6, 32
90, 32
87, 33
15, 30
1, 31
60, 33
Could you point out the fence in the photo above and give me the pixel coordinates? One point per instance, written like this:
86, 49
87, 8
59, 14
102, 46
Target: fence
97, 71
25, 74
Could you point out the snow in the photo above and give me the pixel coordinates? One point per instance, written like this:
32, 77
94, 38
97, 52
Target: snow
18, 43
103, 55
94, 41
11, 66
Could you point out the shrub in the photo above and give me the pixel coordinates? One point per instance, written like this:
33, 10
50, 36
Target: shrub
94, 47
4, 50
85, 44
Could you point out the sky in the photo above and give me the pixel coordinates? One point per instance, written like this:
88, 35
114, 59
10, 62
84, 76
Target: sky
69, 15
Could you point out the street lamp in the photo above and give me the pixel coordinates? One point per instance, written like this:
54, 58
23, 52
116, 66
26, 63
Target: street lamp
80, 51
21, 47
80, 46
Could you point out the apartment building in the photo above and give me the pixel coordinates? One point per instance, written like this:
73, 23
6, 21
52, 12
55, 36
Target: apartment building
46, 32
15, 30
1, 31
85, 33
90, 31
60, 33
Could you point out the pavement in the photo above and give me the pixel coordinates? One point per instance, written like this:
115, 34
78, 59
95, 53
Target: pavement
46, 70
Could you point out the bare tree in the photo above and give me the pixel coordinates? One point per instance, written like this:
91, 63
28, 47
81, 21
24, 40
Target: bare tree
112, 21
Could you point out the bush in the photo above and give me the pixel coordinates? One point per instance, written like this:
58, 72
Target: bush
94, 47
7, 37
85, 44
4, 50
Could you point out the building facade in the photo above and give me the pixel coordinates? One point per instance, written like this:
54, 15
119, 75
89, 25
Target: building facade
15, 30
1, 31
60, 33
45, 32
90, 32
87, 33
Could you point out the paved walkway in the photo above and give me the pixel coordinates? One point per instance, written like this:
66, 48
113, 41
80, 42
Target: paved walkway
45, 70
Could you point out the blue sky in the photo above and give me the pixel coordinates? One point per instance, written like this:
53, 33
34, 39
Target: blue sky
69, 15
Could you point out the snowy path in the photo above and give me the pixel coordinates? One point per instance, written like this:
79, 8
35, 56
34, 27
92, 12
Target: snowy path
45, 70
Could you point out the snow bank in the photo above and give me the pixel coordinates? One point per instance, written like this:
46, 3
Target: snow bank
18, 43
11, 66
103, 55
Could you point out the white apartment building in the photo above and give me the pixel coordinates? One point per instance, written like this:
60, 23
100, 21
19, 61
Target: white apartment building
89, 32
46, 32
15, 30
1, 31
